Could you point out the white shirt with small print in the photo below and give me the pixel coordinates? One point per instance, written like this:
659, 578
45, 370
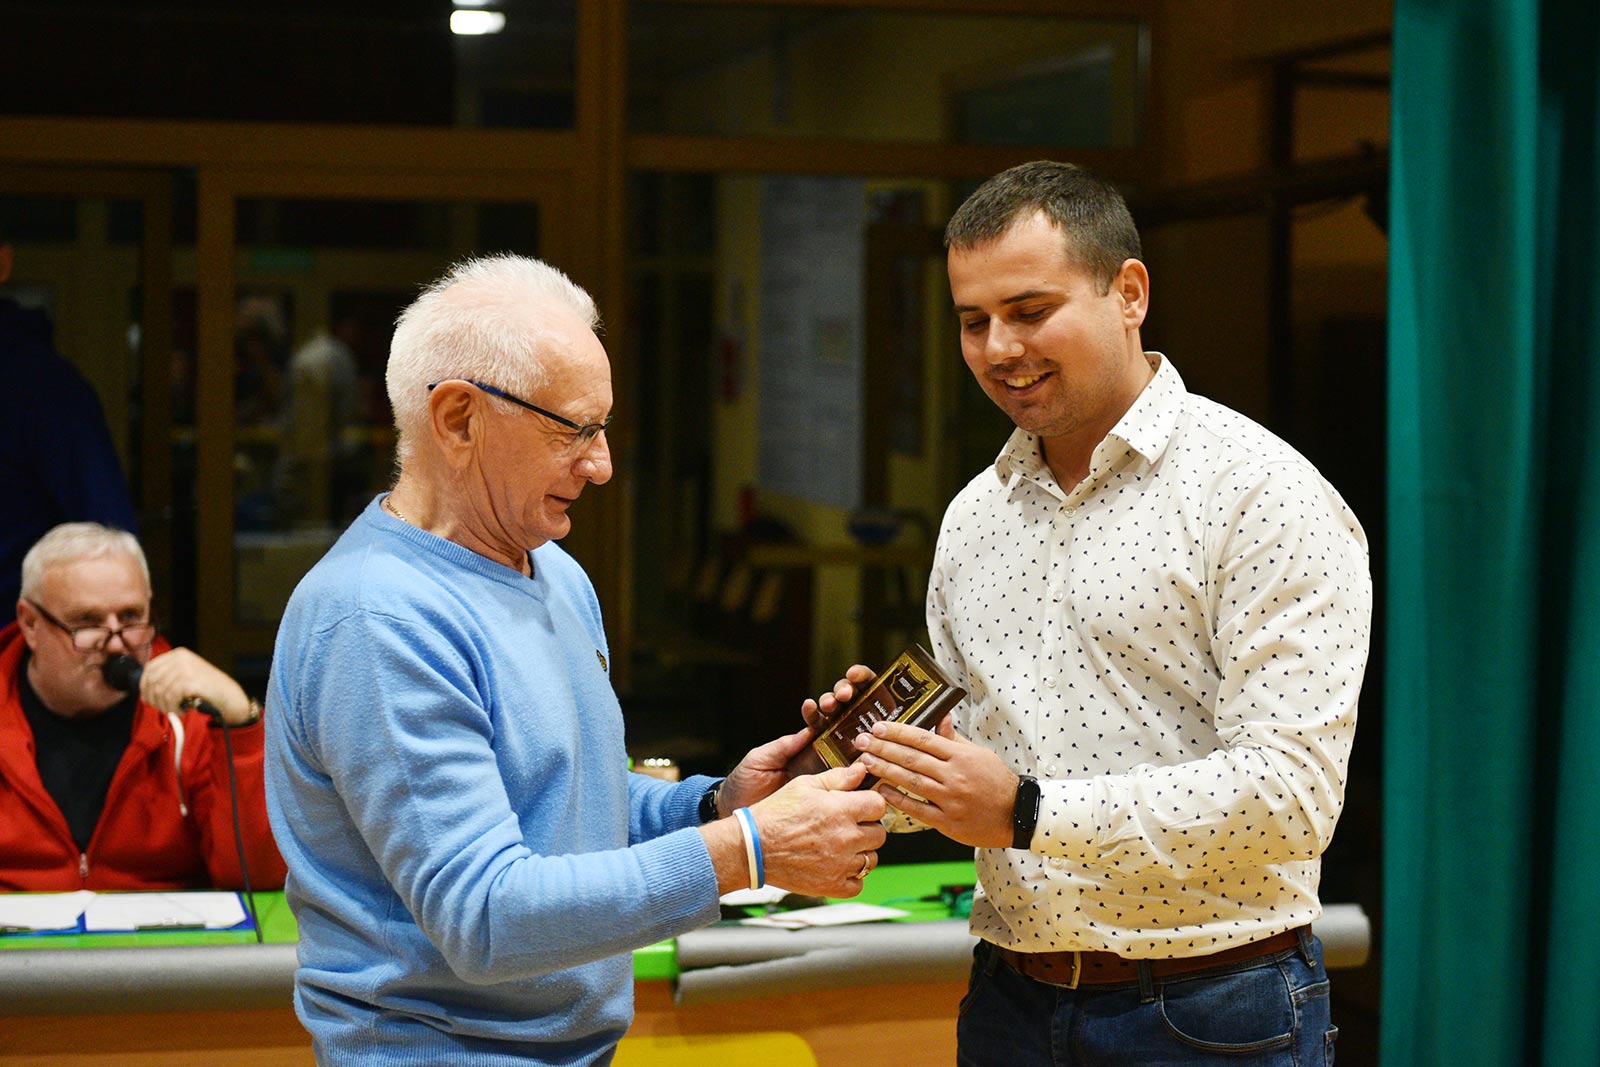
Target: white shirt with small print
1174, 648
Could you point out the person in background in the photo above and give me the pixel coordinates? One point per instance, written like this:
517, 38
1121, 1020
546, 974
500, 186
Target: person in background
321, 402
470, 861
260, 354
101, 789
57, 461
1161, 614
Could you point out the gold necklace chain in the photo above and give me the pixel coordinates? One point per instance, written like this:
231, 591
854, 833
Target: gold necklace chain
388, 505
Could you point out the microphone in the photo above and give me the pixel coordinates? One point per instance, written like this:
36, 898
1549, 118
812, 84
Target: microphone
123, 673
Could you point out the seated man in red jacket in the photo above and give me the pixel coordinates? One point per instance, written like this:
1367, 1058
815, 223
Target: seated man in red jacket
101, 789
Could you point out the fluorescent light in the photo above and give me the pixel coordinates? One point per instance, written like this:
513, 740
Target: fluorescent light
473, 3
476, 23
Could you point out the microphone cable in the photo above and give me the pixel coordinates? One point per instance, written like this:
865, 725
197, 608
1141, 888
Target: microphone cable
233, 797
123, 672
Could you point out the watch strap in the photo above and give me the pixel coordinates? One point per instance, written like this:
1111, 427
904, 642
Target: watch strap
708, 803
1025, 813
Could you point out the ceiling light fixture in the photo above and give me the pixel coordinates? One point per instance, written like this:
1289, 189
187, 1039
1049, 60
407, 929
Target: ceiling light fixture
470, 23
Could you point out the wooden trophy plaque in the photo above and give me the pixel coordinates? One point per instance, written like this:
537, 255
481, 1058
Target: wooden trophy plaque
913, 689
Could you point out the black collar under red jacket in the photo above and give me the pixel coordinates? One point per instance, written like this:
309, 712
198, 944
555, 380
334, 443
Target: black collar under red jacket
163, 826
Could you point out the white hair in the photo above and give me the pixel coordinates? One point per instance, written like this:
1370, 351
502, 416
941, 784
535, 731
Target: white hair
479, 321
74, 541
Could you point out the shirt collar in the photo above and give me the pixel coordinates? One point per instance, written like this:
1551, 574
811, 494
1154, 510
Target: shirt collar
1145, 427
1020, 457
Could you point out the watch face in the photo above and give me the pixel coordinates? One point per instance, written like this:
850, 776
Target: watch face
1025, 815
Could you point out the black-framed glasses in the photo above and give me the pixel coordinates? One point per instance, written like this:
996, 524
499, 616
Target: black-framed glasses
585, 431
95, 638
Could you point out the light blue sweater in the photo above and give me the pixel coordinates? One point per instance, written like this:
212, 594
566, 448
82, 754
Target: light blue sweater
469, 860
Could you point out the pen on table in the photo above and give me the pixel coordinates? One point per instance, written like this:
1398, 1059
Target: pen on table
7, 929
171, 926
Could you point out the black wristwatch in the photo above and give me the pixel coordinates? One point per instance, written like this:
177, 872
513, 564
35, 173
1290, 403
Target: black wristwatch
1025, 816
708, 803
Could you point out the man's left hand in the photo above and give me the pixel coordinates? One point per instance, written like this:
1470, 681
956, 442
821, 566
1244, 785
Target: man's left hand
968, 792
175, 678
818, 711
762, 771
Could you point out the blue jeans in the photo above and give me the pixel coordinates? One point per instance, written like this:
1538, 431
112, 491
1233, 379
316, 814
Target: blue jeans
1266, 1012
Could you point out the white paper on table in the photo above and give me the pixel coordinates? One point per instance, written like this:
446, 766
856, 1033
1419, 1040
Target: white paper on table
827, 915
772, 921
744, 898
21, 912
163, 911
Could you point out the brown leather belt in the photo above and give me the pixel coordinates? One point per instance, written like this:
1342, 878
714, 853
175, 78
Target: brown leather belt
1072, 969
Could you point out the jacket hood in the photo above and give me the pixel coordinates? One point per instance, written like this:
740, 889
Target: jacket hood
12, 646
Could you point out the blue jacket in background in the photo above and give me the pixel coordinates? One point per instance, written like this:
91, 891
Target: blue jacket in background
57, 462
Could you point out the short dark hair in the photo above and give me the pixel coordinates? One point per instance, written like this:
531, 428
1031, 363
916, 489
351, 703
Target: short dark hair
1088, 211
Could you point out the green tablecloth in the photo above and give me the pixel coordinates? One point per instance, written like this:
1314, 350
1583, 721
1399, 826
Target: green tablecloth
903, 887
907, 887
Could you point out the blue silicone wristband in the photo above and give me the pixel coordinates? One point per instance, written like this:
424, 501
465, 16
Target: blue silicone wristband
755, 839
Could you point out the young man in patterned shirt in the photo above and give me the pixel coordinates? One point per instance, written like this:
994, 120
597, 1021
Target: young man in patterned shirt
1161, 613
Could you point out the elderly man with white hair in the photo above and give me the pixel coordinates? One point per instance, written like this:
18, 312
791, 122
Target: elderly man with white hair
106, 789
470, 860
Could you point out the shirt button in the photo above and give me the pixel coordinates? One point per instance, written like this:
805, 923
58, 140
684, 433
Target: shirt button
1057, 862
1050, 680
1050, 771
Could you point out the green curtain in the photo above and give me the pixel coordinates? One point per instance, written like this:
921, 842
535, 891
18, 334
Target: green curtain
1491, 924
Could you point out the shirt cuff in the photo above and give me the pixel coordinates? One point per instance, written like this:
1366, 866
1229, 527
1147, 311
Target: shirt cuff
1067, 825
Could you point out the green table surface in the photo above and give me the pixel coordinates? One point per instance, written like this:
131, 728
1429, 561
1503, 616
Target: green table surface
912, 887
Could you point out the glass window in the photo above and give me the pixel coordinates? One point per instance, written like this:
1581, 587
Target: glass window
799, 412
884, 75
319, 285
78, 276
796, 366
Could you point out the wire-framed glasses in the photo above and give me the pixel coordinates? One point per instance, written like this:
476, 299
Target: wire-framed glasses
585, 431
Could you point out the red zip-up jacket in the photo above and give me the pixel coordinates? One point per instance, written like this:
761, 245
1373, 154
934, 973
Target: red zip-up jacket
163, 826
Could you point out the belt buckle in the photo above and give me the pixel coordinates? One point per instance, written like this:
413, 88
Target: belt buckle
1071, 983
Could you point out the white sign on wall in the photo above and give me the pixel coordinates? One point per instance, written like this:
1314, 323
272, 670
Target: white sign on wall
812, 296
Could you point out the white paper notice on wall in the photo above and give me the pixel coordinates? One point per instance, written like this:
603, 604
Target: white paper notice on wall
811, 337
